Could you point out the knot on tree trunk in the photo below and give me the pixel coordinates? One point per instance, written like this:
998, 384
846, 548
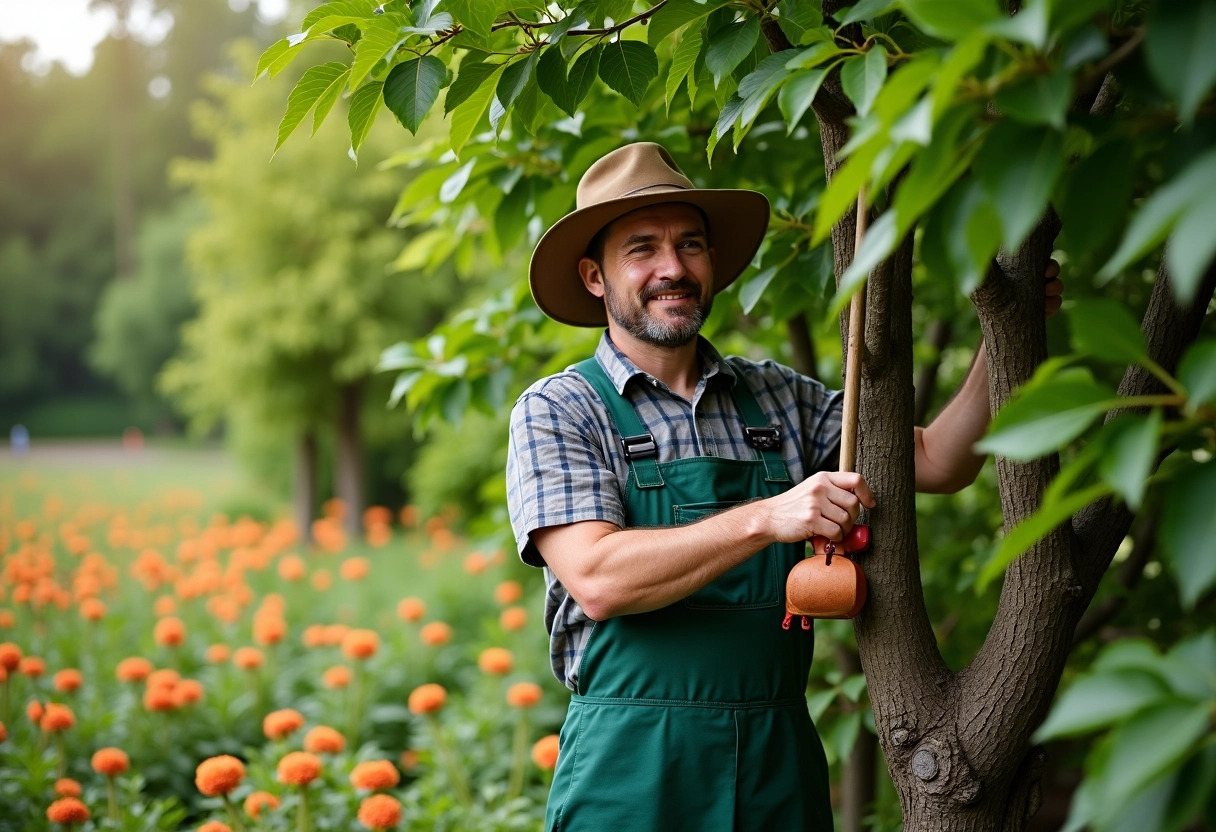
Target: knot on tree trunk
942, 770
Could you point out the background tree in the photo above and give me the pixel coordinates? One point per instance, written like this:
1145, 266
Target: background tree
985, 137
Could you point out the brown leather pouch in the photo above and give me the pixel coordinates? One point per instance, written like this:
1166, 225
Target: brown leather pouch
826, 586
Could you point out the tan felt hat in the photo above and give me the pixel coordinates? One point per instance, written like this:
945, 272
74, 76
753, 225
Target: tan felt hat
626, 179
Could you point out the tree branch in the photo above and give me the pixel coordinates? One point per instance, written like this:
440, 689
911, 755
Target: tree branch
802, 345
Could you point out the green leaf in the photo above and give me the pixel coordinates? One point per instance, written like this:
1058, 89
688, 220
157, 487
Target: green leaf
1131, 452
567, 91
1047, 416
1028, 26
467, 115
816, 53
628, 66
937, 167
682, 62
381, 38
796, 97
1095, 196
315, 83
1156, 740
1040, 99
1197, 373
841, 193
363, 108
901, 89
514, 79
751, 291
473, 74
972, 234
1188, 527
949, 19
880, 240
799, 19
1191, 247
729, 45
759, 86
676, 14
726, 120
1178, 49
862, 77
866, 10
1099, 700
1018, 167
1035, 527
1160, 211
411, 89
339, 8
853, 687
1105, 330
273, 53
476, 15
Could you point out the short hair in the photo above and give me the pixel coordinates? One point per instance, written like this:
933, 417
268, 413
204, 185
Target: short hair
595, 248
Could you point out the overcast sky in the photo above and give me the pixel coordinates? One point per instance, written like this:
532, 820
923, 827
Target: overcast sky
66, 31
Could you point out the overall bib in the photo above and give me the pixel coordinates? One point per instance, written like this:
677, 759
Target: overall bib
694, 717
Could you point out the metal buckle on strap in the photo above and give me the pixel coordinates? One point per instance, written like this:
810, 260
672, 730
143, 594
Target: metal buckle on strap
639, 447
764, 439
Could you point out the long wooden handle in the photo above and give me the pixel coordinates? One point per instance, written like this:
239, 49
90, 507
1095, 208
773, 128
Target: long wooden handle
852, 366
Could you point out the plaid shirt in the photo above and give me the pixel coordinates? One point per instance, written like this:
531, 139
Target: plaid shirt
565, 465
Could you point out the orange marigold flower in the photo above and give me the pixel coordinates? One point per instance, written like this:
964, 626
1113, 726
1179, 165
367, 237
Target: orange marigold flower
411, 609
67, 680
67, 787
376, 516
32, 666
258, 801
215, 826
219, 775
299, 768
279, 724
34, 711
508, 592
544, 752
380, 811
188, 692
134, 669
379, 535
218, 653
67, 810
7, 619
92, 609
269, 629
169, 632
57, 718
427, 699
291, 567
324, 740
313, 635
160, 698
408, 516
495, 660
337, 676
435, 633
164, 605
10, 656
360, 644
166, 677
321, 579
3, 732
110, 761
334, 633
474, 562
523, 694
409, 759
247, 658
374, 774
513, 618
354, 569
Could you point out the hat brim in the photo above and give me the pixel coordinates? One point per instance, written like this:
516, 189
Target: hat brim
738, 220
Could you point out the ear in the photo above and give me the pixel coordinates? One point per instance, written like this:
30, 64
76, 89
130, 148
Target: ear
593, 277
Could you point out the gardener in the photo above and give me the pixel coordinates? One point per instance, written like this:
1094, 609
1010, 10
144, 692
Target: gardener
668, 491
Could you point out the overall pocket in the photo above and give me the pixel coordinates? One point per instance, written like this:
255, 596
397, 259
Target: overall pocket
751, 585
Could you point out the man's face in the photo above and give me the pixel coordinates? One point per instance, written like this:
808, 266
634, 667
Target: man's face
657, 274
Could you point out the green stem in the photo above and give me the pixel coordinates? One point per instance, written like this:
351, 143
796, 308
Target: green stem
519, 753
305, 824
61, 766
459, 784
112, 800
233, 815
356, 703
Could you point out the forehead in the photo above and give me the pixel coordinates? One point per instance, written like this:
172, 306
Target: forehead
654, 217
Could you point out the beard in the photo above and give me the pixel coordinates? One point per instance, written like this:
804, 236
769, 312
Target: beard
677, 329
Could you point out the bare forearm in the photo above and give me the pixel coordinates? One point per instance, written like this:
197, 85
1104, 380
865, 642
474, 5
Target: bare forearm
945, 461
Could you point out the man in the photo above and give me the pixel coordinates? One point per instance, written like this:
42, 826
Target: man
668, 491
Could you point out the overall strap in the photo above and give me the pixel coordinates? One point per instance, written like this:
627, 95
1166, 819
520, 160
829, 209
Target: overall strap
639, 446
762, 436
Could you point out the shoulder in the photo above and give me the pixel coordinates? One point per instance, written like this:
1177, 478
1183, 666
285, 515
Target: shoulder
561, 395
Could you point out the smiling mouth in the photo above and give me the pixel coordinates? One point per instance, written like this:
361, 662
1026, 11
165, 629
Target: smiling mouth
671, 296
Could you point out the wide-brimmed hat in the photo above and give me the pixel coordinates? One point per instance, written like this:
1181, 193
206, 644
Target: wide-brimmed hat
626, 179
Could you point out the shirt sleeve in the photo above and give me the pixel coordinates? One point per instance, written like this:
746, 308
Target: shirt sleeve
557, 469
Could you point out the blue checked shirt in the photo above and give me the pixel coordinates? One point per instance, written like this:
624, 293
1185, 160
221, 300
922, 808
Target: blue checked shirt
565, 465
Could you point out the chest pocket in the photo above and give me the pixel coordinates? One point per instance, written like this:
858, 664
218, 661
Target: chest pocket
753, 584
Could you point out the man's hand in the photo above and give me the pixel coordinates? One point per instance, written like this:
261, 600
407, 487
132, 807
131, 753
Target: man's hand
824, 504
1053, 288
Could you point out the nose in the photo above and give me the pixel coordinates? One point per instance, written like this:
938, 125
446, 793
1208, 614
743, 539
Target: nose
669, 266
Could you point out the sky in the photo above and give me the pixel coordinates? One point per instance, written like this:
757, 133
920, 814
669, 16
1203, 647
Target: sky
66, 31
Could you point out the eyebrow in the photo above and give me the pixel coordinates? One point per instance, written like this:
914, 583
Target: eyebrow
634, 239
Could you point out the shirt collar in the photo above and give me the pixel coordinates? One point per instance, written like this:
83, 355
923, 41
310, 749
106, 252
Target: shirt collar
620, 369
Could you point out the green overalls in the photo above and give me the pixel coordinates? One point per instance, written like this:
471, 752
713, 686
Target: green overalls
694, 717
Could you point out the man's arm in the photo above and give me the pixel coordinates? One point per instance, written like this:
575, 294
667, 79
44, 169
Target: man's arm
611, 571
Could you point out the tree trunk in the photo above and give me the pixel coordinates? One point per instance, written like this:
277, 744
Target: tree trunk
348, 462
304, 490
802, 345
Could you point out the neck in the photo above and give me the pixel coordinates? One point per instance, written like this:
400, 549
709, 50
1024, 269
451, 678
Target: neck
677, 367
